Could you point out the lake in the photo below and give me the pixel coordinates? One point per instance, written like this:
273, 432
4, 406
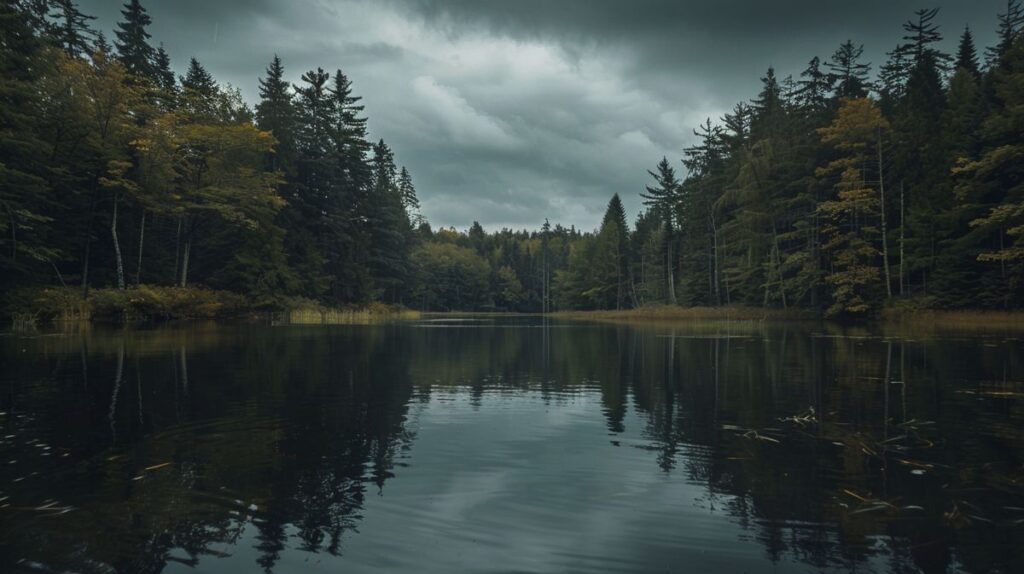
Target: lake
511, 444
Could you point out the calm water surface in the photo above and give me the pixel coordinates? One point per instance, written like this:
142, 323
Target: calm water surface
511, 445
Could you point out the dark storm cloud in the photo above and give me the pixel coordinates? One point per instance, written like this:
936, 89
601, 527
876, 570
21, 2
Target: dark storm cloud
508, 112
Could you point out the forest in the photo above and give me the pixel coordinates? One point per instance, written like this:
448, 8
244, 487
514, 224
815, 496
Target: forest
845, 188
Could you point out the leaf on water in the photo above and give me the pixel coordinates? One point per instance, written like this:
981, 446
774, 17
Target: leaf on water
872, 508
855, 495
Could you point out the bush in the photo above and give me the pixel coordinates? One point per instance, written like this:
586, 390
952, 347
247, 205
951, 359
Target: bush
136, 303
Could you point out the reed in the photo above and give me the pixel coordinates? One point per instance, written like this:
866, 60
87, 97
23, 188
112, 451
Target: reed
374, 313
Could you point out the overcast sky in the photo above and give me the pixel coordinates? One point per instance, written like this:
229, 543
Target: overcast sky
511, 111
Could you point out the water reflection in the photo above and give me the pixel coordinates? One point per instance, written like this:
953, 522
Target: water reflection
511, 444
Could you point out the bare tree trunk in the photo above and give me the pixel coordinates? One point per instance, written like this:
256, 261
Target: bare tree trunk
885, 238
778, 267
117, 246
902, 271
142, 238
184, 262
177, 250
668, 264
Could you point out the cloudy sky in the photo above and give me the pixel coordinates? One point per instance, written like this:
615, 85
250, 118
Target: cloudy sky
512, 111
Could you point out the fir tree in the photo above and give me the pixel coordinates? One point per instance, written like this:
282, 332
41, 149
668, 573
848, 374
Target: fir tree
23, 189
275, 113
847, 73
663, 199
164, 75
967, 54
199, 92
72, 32
811, 95
1011, 23
133, 48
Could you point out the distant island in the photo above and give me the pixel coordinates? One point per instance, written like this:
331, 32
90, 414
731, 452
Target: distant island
837, 191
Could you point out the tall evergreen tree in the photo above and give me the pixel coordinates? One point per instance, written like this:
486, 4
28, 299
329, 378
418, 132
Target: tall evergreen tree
23, 187
164, 75
813, 89
390, 230
967, 54
663, 198
1011, 23
847, 73
617, 251
72, 31
275, 113
200, 92
133, 48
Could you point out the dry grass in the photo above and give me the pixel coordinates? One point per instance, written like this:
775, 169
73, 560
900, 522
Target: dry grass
317, 315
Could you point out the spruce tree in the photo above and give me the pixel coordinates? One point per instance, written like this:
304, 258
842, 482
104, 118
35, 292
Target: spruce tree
390, 230
164, 75
409, 198
200, 92
275, 113
967, 54
847, 73
72, 31
813, 89
23, 188
132, 41
663, 198
1011, 23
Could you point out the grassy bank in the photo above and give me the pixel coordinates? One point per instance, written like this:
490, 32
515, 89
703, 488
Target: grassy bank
313, 314
153, 303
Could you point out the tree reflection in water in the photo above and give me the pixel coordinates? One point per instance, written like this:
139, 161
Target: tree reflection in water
836, 449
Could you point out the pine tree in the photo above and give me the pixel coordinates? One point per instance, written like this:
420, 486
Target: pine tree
967, 54
38, 15
164, 75
847, 73
200, 92
72, 33
993, 187
132, 41
409, 199
618, 252
769, 106
24, 192
275, 113
814, 87
664, 200
390, 230
1011, 23
101, 45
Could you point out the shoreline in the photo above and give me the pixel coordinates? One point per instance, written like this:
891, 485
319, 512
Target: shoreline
158, 304
917, 319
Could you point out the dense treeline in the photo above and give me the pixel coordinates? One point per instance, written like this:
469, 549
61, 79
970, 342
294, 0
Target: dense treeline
115, 171
837, 189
